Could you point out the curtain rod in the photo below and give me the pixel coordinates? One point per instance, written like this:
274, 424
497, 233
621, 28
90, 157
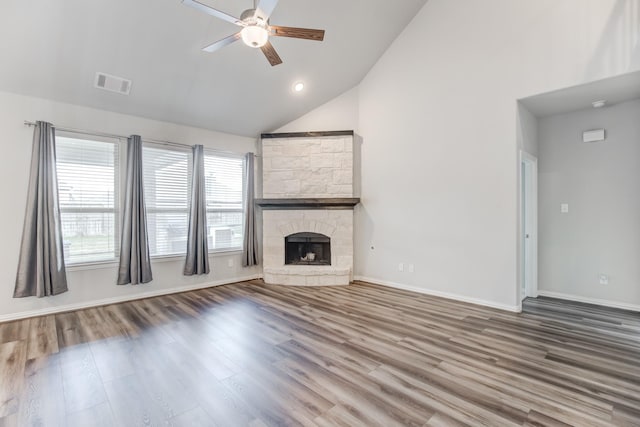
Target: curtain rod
113, 135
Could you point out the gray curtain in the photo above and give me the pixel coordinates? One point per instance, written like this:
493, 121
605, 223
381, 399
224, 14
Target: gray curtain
250, 247
197, 261
41, 270
135, 265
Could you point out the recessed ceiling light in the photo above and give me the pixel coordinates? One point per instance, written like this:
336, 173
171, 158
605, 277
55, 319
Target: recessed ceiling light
298, 87
599, 104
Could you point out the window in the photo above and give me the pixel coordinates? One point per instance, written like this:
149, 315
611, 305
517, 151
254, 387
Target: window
224, 188
88, 183
167, 173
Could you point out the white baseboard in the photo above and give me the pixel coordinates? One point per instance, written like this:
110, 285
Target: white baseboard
604, 302
455, 297
123, 298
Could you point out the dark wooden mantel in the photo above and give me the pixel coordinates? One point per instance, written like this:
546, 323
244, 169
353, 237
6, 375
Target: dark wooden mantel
312, 203
315, 134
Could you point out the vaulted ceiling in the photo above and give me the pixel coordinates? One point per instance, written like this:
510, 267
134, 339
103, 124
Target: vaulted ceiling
52, 49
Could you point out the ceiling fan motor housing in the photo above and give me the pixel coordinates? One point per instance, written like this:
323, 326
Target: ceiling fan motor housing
249, 17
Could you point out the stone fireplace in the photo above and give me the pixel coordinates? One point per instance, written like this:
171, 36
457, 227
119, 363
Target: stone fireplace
309, 192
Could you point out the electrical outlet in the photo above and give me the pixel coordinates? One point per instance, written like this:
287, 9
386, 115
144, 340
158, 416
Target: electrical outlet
604, 279
411, 268
401, 267
230, 262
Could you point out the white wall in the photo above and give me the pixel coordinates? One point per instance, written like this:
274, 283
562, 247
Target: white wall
601, 183
96, 285
340, 113
437, 115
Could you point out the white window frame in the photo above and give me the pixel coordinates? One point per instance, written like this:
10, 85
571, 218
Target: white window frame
214, 153
119, 177
186, 149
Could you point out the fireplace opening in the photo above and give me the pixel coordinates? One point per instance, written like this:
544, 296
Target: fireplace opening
307, 249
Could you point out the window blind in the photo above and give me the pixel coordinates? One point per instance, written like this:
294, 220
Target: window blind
88, 173
167, 176
224, 190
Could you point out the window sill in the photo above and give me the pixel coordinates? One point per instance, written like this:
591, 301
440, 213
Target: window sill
225, 252
181, 257
98, 265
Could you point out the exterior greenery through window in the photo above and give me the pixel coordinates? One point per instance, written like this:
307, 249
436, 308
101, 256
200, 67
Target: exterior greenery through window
89, 185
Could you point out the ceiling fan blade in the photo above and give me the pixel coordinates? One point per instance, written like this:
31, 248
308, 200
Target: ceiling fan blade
265, 9
221, 43
271, 54
213, 12
298, 33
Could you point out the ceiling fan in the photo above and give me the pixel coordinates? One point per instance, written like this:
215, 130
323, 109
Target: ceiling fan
255, 28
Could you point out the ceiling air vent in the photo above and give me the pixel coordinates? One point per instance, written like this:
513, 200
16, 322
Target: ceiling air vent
113, 83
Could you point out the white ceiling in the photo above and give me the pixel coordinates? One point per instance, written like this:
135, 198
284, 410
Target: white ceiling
53, 48
614, 90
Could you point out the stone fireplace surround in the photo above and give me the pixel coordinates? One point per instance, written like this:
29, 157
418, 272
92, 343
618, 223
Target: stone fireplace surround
308, 187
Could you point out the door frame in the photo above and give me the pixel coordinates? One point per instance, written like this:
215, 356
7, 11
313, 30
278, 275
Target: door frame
528, 164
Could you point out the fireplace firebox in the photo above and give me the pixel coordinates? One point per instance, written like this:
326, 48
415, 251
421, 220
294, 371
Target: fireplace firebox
307, 249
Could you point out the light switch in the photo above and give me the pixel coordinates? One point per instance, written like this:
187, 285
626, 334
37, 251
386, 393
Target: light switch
564, 208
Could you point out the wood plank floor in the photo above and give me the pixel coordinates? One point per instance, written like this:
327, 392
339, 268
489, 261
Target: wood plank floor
362, 355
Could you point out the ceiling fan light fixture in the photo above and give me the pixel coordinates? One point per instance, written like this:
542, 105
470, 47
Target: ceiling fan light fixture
254, 36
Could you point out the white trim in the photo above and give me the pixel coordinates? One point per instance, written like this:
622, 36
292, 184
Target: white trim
597, 301
532, 290
124, 298
447, 295
223, 252
96, 265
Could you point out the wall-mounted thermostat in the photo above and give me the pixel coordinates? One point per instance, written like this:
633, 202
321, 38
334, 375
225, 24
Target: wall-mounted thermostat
593, 135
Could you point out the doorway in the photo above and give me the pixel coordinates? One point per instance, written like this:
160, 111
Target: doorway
528, 225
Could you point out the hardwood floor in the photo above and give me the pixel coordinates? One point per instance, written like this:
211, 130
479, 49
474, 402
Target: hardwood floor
250, 354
